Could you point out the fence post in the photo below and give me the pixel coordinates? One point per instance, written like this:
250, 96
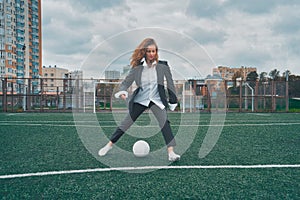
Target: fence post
256, 96
241, 97
4, 97
208, 100
28, 102
42, 92
226, 94
287, 93
12, 97
273, 92
57, 98
76, 94
64, 93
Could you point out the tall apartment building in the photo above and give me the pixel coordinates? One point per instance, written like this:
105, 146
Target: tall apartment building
20, 42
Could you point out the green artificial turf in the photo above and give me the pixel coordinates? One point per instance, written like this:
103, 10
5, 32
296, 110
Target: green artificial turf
46, 142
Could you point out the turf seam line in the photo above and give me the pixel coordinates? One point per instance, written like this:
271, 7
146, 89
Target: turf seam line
11, 176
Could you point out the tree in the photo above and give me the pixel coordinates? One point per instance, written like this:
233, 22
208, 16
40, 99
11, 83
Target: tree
252, 76
286, 73
274, 74
236, 75
263, 76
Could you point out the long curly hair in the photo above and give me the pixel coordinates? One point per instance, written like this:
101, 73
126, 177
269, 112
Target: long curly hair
140, 52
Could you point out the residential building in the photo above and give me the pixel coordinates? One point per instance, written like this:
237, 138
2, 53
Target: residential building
53, 78
126, 69
20, 42
227, 73
75, 80
112, 74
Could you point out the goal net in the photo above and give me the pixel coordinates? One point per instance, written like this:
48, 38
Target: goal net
98, 96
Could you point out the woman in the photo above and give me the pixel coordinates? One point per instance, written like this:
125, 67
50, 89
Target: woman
149, 74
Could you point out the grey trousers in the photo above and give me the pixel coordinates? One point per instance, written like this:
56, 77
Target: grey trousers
138, 109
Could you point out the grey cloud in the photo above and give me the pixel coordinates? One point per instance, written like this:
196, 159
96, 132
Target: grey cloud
253, 6
72, 28
212, 8
288, 21
67, 39
287, 26
259, 6
67, 44
251, 58
294, 47
205, 36
94, 5
203, 8
65, 31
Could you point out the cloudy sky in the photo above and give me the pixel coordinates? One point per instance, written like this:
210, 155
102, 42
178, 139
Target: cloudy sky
194, 36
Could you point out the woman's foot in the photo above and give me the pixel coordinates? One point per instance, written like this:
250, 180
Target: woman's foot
172, 156
105, 149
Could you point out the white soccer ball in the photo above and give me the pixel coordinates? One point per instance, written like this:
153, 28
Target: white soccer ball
141, 148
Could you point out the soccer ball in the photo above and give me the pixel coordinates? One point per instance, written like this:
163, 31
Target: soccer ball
141, 148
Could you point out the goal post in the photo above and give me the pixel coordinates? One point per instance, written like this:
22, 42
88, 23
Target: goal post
110, 94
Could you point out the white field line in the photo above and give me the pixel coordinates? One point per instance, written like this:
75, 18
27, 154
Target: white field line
11, 176
140, 120
182, 125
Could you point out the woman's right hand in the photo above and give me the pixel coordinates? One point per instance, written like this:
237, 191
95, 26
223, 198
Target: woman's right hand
123, 96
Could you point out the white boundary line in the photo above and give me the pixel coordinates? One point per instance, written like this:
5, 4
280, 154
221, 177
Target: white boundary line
11, 176
205, 120
188, 125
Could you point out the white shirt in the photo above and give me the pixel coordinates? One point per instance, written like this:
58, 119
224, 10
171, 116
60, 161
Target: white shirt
149, 89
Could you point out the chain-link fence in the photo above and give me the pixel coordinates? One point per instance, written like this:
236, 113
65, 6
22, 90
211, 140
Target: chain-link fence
19, 95
90, 95
256, 96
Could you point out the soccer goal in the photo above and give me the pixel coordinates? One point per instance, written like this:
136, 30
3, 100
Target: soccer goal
103, 96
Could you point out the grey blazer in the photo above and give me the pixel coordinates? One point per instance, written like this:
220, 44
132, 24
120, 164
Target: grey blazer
163, 71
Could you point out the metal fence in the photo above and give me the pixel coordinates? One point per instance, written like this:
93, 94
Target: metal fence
256, 96
88, 95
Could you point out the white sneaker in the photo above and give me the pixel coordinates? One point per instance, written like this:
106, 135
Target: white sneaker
104, 150
173, 157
